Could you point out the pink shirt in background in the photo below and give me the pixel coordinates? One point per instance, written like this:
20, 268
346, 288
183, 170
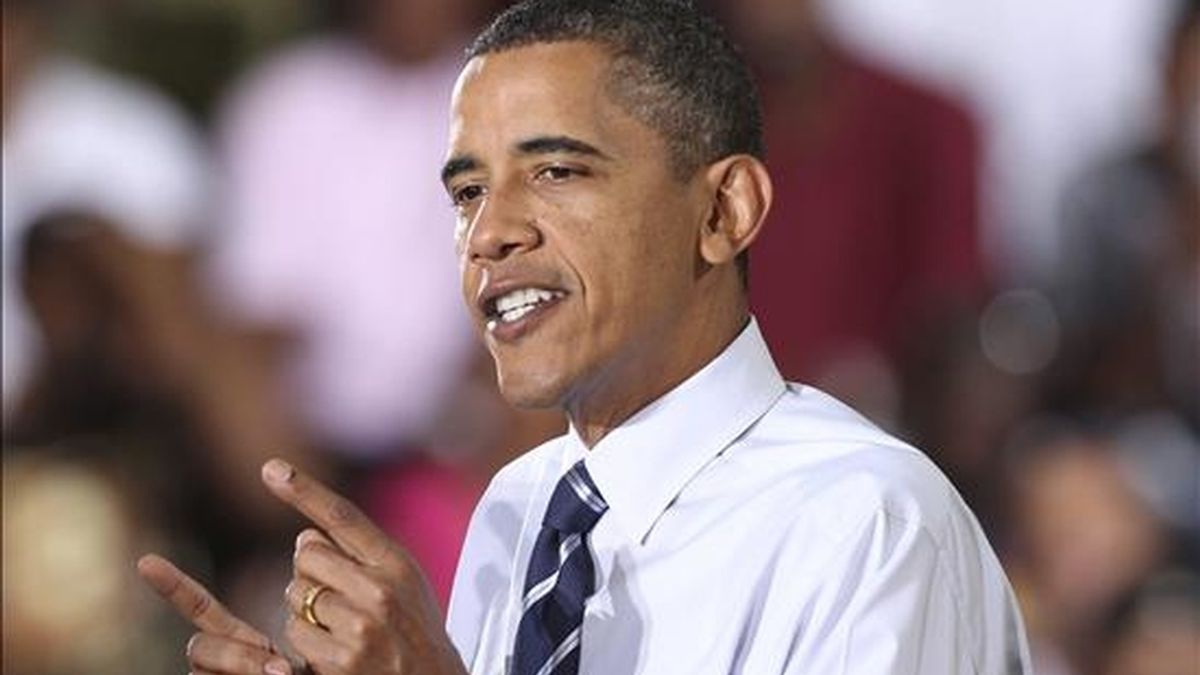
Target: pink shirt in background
426, 507
336, 227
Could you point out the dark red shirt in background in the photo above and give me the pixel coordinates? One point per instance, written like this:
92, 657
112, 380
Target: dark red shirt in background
875, 224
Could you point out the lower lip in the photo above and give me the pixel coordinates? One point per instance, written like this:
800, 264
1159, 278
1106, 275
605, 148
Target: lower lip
511, 332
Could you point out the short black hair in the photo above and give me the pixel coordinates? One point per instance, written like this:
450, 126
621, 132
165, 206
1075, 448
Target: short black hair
673, 69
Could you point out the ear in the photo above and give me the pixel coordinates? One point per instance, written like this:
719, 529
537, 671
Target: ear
741, 196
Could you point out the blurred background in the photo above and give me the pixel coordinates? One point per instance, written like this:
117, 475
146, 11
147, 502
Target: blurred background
224, 239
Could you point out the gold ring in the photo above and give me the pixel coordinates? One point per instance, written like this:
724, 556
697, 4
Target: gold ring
309, 606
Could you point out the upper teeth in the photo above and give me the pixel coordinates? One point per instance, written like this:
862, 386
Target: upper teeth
516, 304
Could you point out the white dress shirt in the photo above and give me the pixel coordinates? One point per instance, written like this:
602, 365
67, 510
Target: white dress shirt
756, 527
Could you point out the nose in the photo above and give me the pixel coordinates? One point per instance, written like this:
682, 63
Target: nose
501, 227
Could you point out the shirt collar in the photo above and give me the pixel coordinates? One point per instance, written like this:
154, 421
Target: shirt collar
642, 465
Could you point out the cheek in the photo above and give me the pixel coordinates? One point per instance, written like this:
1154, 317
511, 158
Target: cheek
624, 248
609, 253
658, 251
635, 276
469, 283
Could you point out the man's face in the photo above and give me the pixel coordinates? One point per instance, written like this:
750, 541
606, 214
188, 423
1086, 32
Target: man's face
577, 243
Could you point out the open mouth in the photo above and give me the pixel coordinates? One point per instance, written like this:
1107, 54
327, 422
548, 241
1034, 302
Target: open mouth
508, 311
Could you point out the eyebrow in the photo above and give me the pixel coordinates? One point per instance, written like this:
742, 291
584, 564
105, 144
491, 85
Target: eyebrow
540, 145
456, 165
543, 145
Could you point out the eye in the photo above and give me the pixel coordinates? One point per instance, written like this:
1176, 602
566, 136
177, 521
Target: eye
557, 173
466, 194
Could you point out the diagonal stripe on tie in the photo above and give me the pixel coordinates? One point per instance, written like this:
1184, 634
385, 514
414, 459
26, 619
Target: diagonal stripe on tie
585, 493
541, 588
561, 653
560, 578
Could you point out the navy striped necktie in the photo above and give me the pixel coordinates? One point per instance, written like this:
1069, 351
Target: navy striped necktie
561, 577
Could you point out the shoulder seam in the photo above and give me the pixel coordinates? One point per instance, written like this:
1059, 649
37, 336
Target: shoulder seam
955, 591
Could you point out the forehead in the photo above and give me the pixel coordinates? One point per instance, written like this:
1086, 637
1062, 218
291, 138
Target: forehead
557, 89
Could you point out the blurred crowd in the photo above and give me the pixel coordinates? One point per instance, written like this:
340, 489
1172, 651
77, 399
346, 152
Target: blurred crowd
224, 239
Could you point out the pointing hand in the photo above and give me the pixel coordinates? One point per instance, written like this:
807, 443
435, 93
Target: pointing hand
370, 610
224, 644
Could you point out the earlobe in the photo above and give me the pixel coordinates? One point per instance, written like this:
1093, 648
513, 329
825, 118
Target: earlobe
741, 196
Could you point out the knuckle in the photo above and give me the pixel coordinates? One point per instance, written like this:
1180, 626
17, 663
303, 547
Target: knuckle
407, 575
199, 604
342, 512
360, 628
377, 596
346, 659
246, 664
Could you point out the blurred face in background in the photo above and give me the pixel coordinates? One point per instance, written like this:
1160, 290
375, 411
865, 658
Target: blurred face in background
775, 33
1090, 537
415, 30
560, 190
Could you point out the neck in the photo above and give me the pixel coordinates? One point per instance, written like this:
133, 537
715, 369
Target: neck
623, 391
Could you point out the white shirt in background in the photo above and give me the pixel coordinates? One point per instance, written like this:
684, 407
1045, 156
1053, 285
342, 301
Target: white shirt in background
1058, 86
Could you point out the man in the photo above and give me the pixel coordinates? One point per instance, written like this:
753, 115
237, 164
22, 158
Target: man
701, 516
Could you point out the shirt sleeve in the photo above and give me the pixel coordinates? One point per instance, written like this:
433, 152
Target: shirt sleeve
886, 604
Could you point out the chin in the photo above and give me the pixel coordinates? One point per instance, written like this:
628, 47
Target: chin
531, 390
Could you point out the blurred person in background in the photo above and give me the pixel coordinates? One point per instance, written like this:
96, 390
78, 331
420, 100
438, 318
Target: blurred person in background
1131, 299
80, 138
958, 402
334, 245
1130, 295
1086, 542
72, 519
1105, 515
315, 146
1056, 85
1158, 631
876, 231
118, 176
109, 343
123, 172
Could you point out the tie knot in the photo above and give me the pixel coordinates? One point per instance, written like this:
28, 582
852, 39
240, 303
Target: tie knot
576, 504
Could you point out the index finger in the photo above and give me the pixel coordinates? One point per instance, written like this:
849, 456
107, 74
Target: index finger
333, 513
195, 602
